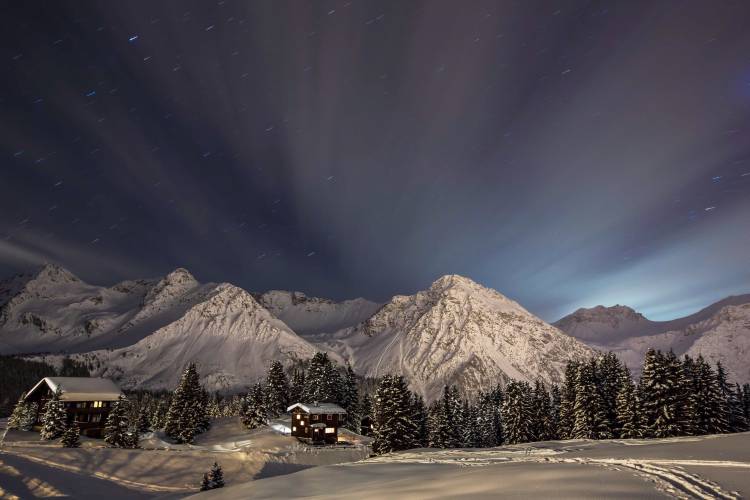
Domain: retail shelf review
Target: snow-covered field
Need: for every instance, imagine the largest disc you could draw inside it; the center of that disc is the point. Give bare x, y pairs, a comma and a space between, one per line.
32, 468
703, 467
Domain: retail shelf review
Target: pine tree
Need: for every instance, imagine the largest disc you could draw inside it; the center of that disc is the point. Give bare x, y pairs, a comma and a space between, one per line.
659, 396
710, 414
55, 418
419, 416
186, 410
216, 476
144, 423
365, 421
516, 413
322, 382
567, 401
589, 411
470, 436
608, 371
628, 413
393, 427
746, 401
554, 420
737, 420
444, 417
19, 413
71, 437
541, 409
297, 388
116, 429
253, 413
29, 417
725, 389
350, 399
277, 390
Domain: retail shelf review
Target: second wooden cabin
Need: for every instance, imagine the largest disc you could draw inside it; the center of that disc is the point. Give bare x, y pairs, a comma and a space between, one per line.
317, 422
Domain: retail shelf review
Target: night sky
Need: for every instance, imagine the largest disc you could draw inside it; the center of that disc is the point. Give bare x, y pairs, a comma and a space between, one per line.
565, 153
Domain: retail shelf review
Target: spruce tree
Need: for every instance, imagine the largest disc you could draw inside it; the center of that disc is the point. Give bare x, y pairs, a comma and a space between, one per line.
277, 390
393, 427
322, 380
444, 419
710, 411
659, 390
517, 412
724, 404
737, 420
29, 417
554, 419
608, 372
185, 414
297, 388
116, 429
55, 418
216, 476
71, 437
18, 416
350, 399
590, 417
746, 401
628, 413
144, 422
567, 401
253, 413
419, 416
365, 422
541, 409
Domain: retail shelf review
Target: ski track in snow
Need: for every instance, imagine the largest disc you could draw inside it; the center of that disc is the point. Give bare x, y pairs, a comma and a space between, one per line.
667, 475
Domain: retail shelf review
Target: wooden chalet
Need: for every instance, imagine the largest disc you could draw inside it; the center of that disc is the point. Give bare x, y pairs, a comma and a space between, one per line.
317, 422
87, 400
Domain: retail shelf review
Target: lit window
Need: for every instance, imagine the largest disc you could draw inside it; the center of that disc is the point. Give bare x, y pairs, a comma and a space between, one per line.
294, 428
316, 417
302, 423
97, 404
299, 416
330, 430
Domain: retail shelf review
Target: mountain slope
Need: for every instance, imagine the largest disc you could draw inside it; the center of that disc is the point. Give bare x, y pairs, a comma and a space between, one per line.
720, 332
311, 315
456, 332
227, 333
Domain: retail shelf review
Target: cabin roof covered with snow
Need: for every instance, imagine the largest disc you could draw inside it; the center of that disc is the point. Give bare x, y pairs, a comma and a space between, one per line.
318, 408
80, 388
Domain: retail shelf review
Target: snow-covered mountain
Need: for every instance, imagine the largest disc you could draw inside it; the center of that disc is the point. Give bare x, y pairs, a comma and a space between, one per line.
226, 332
144, 332
456, 332
720, 332
312, 315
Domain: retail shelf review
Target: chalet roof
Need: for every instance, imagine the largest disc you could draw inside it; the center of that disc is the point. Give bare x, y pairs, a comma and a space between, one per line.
80, 388
318, 408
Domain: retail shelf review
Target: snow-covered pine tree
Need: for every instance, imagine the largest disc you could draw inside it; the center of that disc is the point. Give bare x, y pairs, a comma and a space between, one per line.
470, 435
29, 417
516, 412
253, 413
203, 419
659, 393
365, 419
216, 476
54, 421
737, 420
608, 373
725, 388
554, 412
445, 420
628, 413
684, 406
277, 390
350, 399
567, 401
393, 427
746, 401
710, 414
116, 429
297, 387
185, 410
71, 436
540, 413
589, 411
16, 419
419, 416
144, 422
317, 388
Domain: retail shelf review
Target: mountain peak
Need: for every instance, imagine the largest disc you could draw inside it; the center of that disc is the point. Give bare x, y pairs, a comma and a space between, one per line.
54, 273
179, 275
